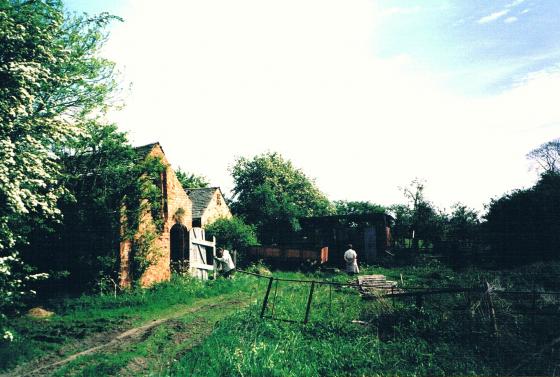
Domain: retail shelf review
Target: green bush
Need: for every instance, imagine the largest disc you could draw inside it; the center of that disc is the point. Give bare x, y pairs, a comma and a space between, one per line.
233, 234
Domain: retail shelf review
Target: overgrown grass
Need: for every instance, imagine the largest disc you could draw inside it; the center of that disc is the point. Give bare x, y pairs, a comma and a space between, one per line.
448, 335
154, 352
77, 319
453, 334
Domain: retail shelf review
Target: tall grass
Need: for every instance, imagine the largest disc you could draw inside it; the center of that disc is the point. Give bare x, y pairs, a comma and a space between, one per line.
77, 319
448, 335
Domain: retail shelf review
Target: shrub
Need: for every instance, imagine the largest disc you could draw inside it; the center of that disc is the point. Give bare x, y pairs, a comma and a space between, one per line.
233, 234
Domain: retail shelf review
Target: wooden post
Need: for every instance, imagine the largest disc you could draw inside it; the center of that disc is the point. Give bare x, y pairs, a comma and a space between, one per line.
214, 264
265, 301
419, 300
330, 299
309, 302
492, 311
274, 299
534, 311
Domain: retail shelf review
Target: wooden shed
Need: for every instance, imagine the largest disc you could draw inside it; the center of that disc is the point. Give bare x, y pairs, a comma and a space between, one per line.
369, 234
324, 239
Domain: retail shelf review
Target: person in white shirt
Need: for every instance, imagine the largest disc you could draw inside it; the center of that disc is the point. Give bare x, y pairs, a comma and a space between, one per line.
351, 259
226, 262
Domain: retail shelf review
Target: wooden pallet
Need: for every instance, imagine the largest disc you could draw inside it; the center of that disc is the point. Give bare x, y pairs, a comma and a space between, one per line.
376, 285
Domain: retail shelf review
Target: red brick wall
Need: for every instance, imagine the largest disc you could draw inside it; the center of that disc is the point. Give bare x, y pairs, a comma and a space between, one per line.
177, 199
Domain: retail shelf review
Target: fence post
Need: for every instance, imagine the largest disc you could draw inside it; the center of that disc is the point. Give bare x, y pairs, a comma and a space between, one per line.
274, 299
330, 299
492, 310
265, 301
419, 300
534, 311
309, 302
214, 264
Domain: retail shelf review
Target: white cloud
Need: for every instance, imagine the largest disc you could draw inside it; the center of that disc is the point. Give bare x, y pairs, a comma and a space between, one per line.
493, 17
214, 80
515, 3
510, 20
524, 11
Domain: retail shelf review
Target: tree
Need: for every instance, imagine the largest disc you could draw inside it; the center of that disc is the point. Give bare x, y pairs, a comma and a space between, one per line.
191, 180
547, 156
344, 207
272, 194
463, 224
51, 82
233, 234
418, 219
524, 225
100, 169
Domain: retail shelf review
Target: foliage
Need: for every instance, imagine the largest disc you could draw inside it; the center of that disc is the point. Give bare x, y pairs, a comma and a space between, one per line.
418, 219
272, 194
80, 318
191, 180
524, 225
462, 224
101, 173
233, 234
353, 337
547, 156
99, 166
51, 82
14, 278
450, 334
144, 197
344, 207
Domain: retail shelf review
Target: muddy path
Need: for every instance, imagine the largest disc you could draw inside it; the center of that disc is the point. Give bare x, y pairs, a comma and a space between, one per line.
189, 334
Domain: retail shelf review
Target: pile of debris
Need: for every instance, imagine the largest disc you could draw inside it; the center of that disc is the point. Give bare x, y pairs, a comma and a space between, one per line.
371, 286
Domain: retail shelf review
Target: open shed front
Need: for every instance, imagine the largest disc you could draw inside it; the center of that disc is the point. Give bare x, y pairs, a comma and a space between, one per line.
369, 235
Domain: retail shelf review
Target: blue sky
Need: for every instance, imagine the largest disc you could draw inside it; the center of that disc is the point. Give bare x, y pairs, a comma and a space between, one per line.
484, 46
363, 95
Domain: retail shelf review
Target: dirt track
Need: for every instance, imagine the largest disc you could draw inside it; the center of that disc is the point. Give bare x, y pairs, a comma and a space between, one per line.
49, 364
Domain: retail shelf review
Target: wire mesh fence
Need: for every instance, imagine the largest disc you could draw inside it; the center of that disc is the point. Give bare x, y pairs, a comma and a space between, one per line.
512, 332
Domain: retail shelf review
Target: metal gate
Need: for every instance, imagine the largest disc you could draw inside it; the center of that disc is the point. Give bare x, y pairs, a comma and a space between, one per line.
201, 254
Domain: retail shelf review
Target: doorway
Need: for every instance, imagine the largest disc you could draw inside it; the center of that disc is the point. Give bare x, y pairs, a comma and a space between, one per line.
179, 239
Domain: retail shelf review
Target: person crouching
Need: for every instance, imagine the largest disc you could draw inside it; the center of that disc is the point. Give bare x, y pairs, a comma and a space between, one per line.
226, 262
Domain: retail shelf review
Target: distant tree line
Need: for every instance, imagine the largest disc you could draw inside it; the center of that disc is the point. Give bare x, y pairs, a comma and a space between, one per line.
64, 172
521, 226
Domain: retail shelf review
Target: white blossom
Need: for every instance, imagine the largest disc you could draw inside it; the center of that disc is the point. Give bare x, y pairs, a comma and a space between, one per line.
8, 336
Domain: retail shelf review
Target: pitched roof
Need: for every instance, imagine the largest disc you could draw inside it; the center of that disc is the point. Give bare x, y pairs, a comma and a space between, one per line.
200, 198
143, 150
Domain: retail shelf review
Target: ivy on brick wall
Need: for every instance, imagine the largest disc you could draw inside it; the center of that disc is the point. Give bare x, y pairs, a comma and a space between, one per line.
142, 215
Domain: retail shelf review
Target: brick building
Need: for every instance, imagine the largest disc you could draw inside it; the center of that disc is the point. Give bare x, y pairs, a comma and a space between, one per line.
176, 215
208, 205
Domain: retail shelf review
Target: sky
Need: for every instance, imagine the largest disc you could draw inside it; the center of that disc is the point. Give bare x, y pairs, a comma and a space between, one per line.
364, 95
